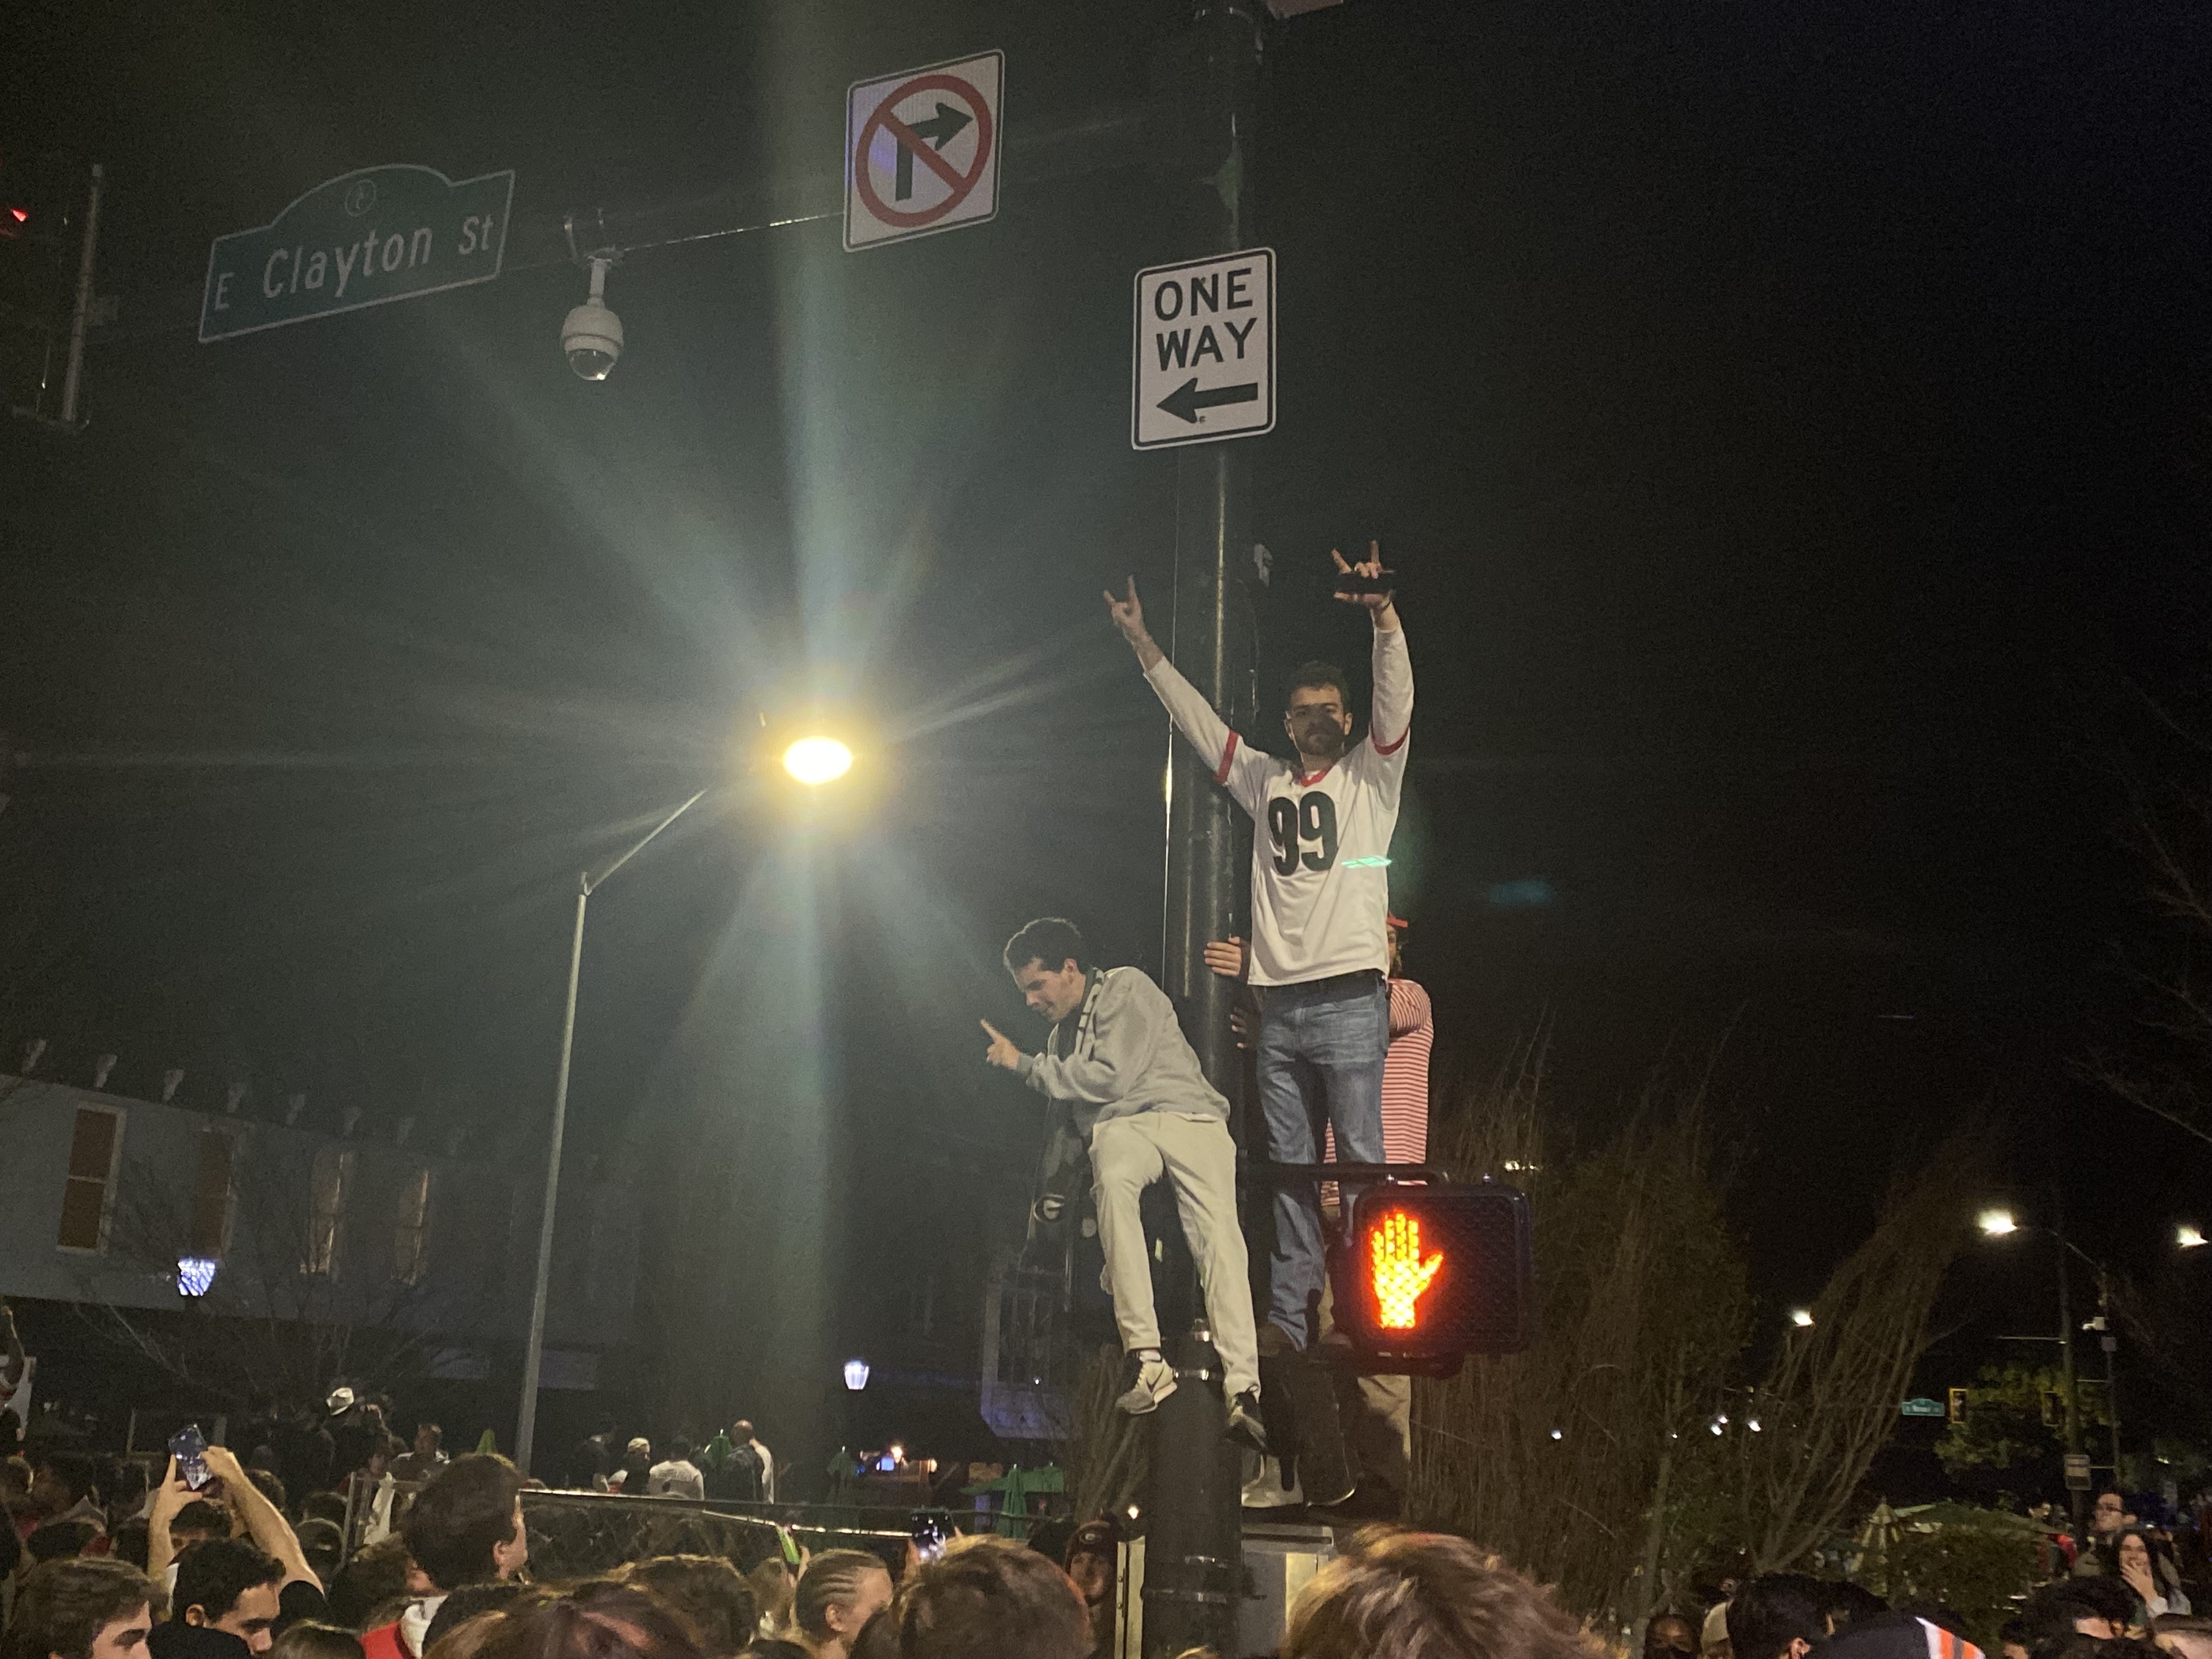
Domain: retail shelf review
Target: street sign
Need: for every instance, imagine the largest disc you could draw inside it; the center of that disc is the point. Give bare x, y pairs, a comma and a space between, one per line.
922, 150
366, 239
1922, 1407
2077, 1471
1203, 354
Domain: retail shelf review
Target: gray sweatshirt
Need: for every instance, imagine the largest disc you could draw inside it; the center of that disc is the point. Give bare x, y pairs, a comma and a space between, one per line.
1120, 1054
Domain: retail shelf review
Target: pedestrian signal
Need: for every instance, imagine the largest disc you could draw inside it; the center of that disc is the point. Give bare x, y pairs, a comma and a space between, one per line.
1436, 1270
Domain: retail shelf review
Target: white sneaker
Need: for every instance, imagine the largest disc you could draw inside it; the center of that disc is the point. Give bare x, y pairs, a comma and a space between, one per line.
1145, 1383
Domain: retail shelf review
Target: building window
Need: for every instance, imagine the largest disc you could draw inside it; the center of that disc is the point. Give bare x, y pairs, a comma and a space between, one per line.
213, 1197
410, 1238
87, 1195
333, 1178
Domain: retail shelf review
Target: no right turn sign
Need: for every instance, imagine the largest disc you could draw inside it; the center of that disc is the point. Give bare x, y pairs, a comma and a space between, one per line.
1205, 351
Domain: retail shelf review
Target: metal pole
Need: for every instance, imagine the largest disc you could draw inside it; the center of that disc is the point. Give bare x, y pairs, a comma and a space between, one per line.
82, 316
534, 1351
2073, 1494
2110, 1345
1194, 1549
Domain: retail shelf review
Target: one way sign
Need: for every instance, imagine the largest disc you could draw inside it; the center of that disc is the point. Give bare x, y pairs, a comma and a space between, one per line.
1205, 351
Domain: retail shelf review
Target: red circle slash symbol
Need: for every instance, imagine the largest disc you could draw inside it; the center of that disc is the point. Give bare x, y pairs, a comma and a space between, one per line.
957, 184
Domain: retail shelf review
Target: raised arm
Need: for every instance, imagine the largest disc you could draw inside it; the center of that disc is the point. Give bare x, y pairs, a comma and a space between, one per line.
170, 1497
1233, 762
1390, 715
264, 1524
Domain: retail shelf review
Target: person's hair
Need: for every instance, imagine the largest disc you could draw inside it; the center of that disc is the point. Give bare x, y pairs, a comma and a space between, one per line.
325, 1506
679, 1449
1771, 1611
421, 1428
463, 1511
2155, 1550
17, 1473
1308, 676
270, 1487
831, 1579
1663, 1617
306, 1639
2051, 1610
744, 1426
212, 1575
773, 1593
1843, 1603
878, 1638
1049, 941
61, 1606
992, 1598
707, 1590
202, 1519
468, 1614
375, 1574
133, 1541
1397, 1595
2014, 1630
73, 1471
597, 1619
2195, 1633
57, 1540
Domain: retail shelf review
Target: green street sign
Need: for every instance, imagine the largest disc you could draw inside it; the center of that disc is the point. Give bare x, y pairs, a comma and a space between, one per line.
1922, 1407
366, 239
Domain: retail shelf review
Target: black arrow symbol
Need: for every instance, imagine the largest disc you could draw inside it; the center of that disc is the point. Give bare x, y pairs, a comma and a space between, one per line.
1185, 400
941, 129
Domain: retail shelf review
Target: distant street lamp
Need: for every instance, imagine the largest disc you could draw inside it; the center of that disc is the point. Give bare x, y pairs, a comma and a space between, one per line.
856, 1374
1801, 1318
816, 761
2186, 1238
2001, 1222
533, 1352
1997, 1222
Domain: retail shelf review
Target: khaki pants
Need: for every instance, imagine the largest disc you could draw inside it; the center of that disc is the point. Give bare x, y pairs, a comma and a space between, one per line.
1198, 1160
1378, 1415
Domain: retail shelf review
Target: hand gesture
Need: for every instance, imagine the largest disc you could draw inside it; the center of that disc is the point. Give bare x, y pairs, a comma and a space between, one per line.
171, 1496
1401, 1275
2139, 1580
1370, 565
1002, 1052
222, 1463
1225, 956
1129, 614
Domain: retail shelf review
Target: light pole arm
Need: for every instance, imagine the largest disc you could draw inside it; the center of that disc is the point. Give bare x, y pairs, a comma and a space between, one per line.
533, 1351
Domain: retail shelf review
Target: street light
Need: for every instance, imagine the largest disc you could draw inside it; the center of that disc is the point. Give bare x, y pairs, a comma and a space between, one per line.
1997, 1222
816, 761
534, 1351
2186, 1238
1801, 1318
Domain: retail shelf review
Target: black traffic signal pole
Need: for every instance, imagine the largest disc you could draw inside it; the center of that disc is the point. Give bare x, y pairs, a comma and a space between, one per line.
1194, 1545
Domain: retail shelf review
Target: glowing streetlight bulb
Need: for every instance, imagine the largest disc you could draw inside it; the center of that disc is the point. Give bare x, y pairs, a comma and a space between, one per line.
1801, 1318
817, 761
2187, 1238
1997, 1222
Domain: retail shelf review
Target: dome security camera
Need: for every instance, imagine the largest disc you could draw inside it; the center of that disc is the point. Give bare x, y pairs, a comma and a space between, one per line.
592, 336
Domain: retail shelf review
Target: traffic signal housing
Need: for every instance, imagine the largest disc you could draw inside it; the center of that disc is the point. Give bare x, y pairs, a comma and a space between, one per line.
1436, 1270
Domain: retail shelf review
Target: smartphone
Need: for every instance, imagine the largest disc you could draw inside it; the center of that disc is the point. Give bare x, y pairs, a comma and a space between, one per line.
930, 1535
187, 1445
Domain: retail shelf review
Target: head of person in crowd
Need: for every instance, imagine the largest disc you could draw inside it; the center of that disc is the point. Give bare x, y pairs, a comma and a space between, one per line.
2013, 1639
636, 1463
679, 1449
1093, 1557
88, 1609
1050, 964
61, 1483
198, 1521
1396, 1594
597, 1619
2097, 1647
1777, 1615
2137, 1558
474, 1608
839, 1591
991, 1598
307, 1639
429, 1441
773, 1591
2109, 1513
266, 1483
1318, 713
2095, 1608
375, 1576
2183, 1636
15, 1481
1670, 1636
707, 1590
122, 1486
323, 1542
57, 1540
229, 1585
878, 1638
1843, 1604
133, 1541
465, 1525
325, 1506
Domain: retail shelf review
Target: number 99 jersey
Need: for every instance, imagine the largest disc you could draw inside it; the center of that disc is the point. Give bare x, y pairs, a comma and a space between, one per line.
1321, 844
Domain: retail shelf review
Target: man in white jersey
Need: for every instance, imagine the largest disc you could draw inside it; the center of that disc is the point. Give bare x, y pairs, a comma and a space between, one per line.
1321, 896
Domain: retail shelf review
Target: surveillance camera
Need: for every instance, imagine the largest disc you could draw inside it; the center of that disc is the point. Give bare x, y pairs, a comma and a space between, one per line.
593, 334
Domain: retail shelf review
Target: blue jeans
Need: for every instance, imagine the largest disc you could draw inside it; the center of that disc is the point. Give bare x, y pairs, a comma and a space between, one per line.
1321, 1061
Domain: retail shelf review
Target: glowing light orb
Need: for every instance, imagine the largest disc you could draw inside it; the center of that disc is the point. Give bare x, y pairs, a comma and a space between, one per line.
856, 1374
2187, 1238
1400, 1274
195, 1274
817, 761
1800, 1317
1997, 1222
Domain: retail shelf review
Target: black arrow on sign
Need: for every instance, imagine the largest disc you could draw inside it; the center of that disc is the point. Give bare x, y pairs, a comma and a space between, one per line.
1185, 400
941, 129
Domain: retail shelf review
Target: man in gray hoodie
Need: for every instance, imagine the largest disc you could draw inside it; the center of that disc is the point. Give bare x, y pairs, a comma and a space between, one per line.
1121, 1063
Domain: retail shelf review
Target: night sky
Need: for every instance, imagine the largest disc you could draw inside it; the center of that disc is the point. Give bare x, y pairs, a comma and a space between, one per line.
1789, 423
